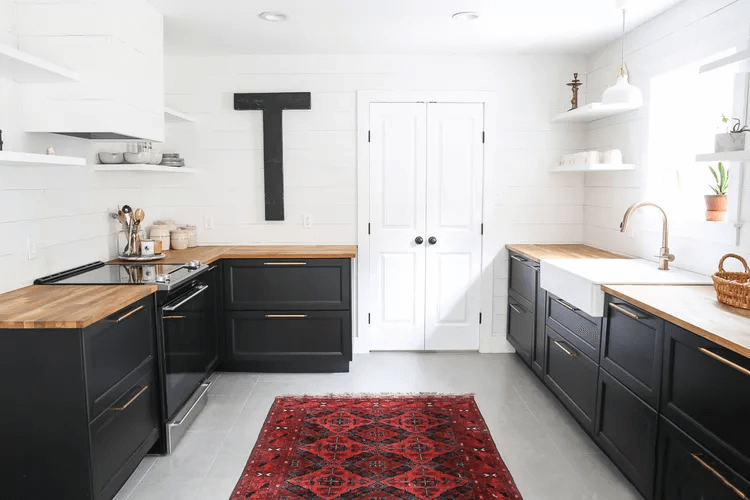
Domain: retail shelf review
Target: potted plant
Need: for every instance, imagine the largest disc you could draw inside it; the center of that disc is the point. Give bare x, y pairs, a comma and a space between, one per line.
716, 204
735, 139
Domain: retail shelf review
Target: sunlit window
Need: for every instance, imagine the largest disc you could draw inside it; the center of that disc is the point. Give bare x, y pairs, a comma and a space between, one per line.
685, 114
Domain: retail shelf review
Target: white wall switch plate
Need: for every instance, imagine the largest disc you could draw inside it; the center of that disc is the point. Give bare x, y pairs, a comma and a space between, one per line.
208, 222
307, 220
31, 248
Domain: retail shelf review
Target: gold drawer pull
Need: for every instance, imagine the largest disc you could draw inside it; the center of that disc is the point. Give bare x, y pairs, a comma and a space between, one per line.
126, 316
285, 263
512, 306
173, 317
626, 312
571, 354
737, 367
276, 316
719, 476
212, 268
565, 305
144, 388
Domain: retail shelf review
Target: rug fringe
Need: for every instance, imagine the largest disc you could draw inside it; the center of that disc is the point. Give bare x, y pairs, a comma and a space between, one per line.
377, 395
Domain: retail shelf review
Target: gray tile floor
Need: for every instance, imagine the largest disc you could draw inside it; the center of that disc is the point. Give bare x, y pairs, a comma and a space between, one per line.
549, 456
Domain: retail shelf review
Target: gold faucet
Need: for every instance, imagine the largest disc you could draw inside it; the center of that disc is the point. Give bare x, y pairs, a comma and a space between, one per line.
665, 258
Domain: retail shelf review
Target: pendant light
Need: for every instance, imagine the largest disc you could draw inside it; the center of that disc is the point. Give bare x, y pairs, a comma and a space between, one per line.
623, 93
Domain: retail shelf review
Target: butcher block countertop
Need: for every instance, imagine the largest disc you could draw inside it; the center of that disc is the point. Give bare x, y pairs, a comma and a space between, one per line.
79, 306
694, 308
563, 251
210, 254
66, 306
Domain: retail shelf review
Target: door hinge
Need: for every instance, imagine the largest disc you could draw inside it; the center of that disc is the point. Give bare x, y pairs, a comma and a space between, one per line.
368, 136
368, 228
481, 228
368, 318
482, 137
480, 318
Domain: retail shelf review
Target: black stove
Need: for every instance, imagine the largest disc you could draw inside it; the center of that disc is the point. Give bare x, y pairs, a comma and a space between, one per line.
166, 276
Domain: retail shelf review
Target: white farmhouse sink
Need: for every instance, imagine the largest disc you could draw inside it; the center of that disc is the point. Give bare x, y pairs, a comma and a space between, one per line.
579, 281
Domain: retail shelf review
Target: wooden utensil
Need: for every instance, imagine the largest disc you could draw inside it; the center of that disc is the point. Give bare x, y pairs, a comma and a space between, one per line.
138, 217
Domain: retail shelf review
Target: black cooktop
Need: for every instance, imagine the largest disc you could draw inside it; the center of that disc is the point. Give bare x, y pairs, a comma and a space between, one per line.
99, 273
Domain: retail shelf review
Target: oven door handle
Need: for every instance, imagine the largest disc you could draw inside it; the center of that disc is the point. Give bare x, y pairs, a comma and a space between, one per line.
199, 291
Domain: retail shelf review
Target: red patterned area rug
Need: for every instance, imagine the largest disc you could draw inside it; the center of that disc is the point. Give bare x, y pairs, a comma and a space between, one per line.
375, 447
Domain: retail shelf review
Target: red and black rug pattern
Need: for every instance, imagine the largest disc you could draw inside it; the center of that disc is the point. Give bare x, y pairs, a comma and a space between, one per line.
375, 447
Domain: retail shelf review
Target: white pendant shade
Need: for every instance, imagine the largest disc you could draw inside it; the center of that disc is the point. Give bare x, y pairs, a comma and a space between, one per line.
623, 93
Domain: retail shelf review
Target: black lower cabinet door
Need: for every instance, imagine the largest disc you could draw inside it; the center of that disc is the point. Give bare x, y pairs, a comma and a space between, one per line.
688, 471
706, 392
521, 328
130, 425
313, 341
626, 429
571, 376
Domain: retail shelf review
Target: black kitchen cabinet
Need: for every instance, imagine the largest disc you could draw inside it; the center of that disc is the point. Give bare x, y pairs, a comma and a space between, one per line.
523, 280
521, 320
86, 406
285, 315
689, 471
540, 331
706, 393
581, 330
632, 348
572, 377
626, 429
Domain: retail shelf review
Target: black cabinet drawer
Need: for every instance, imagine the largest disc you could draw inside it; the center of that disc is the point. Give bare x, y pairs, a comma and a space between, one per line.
117, 352
287, 285
522, 277
584, 330
688, 471
294, 341
626, 430
122, 429
520, 328
572, 377
706, 392
632, 349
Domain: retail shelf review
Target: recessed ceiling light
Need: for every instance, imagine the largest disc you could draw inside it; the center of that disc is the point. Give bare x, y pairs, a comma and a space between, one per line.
273, 16
465, 16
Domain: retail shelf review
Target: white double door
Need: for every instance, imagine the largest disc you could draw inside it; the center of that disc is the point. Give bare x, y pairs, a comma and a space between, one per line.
426, 170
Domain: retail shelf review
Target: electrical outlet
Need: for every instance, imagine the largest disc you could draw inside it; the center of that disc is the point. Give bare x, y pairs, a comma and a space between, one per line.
31, 248
307, 220
208, 222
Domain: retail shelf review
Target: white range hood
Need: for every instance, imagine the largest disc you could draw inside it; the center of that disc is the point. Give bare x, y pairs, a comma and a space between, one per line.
117, 47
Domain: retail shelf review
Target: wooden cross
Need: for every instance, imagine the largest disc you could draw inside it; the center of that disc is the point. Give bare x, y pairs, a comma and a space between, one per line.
272, 106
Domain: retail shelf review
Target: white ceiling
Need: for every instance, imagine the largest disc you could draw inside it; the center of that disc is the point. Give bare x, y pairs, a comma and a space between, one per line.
397, 26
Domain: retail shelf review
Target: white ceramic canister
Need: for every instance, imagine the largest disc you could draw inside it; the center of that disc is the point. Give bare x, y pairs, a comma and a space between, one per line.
180, 239
193, 233
161, 233
613, 157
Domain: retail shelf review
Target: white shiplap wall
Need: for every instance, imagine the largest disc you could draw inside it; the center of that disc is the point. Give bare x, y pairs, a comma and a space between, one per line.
690, 32
320, 146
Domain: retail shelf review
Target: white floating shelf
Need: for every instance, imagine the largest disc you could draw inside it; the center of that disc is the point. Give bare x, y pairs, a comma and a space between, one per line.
726, 61
592, 112
172, 115
594, 167
143, 167
31, 159
741, 156
25, 68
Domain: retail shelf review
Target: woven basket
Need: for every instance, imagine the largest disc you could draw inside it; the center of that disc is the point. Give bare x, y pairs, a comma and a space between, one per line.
733, 289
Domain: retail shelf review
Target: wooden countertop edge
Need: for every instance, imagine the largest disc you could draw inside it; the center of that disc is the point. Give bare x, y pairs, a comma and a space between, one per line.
679, 322
518, 248
256, 252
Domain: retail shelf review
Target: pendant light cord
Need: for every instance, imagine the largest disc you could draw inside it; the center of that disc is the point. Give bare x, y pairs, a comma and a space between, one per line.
622, 47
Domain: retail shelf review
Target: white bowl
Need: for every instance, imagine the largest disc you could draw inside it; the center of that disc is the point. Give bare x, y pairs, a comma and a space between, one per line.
155, 158
142, 157
110, 158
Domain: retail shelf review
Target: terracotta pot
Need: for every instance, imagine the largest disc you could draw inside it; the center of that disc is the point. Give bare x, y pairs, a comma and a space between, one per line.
716, 203
714, 216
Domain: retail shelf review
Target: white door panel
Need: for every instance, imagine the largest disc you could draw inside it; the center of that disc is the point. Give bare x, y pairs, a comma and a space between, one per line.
454, 218
397, 216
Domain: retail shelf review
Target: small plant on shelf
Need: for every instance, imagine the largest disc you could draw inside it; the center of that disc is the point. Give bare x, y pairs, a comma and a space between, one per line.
716, 204
735, 138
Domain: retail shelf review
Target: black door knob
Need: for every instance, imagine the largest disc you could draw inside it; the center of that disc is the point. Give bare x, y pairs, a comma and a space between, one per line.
432, 240
418, 240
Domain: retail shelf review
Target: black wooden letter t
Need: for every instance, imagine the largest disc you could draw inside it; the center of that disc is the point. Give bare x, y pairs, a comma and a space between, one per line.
272, 106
